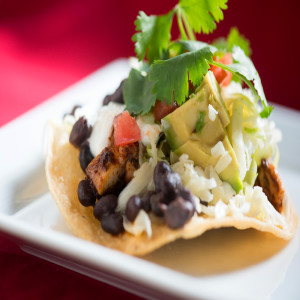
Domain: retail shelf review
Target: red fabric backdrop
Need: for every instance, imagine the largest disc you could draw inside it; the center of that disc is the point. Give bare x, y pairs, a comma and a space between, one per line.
47, 45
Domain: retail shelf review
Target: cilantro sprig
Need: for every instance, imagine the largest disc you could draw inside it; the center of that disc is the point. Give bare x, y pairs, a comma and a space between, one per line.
138, 88
167, 77
199, 16
234, 38
245, 70
153, 35
171, 76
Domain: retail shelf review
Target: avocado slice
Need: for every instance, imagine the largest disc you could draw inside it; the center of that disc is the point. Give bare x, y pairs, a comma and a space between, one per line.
180, 130
202, 157
251, 173
181, 123
213, 90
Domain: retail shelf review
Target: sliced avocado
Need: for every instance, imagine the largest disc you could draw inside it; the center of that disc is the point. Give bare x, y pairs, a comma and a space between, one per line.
251, 173
231, 173
197, 153
202, 157
211, 133
213, 90
181, 123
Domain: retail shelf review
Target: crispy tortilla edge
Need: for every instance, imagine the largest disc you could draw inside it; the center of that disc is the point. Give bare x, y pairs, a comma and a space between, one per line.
63, 174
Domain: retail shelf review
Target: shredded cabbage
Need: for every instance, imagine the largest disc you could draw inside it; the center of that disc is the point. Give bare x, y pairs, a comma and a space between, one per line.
141, 223
194, 179
137, 185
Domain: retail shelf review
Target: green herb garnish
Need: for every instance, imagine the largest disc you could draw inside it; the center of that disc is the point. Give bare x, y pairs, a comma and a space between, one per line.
153, 35
167, 77
245, 70
234, 38
137, 90
174, 86
200, 123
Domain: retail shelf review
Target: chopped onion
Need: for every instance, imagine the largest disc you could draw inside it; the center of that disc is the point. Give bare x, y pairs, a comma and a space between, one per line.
220, 209
137, 185
217, 150
223, 162
237, 137
211, 112
141, 223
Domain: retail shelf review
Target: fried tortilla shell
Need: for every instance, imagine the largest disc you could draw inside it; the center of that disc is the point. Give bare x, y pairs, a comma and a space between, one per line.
64, 173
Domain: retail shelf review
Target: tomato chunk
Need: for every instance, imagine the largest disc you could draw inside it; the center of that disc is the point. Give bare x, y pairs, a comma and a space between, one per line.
223, 77
161, 109
126, 130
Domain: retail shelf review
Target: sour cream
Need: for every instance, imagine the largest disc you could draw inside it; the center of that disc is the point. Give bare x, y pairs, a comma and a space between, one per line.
101, 132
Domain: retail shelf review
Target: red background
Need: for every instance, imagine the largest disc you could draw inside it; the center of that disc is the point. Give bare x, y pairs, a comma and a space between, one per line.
47, 45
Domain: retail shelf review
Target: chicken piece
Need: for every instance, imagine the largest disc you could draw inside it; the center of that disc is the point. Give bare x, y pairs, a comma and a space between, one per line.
132, 165
270, 182
112, 167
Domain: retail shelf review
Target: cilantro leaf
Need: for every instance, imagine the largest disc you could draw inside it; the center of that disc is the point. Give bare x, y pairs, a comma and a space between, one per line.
137, 93
171, 76
245, 70
234, 38
201, 15
153, 35
245, 67
196, 45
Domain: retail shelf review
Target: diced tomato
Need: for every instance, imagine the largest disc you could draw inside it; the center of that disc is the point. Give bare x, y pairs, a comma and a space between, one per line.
161, 109
126, 130
223, 77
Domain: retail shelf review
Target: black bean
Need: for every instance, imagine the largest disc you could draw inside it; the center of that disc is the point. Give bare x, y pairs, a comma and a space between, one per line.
80, 132
160, 169
186, 195
105, 206
133, 206
117, 96
169, 184
112, 224
178, 213
146, 201
85, 155
157, 204
85, 192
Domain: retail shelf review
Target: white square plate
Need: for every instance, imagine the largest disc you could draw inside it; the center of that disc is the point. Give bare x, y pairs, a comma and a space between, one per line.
224, 263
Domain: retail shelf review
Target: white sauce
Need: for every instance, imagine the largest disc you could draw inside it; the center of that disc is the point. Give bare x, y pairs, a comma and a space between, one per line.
103, 126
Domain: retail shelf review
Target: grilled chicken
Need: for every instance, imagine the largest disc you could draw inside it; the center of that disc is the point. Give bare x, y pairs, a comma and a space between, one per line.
270, 182
113, 167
